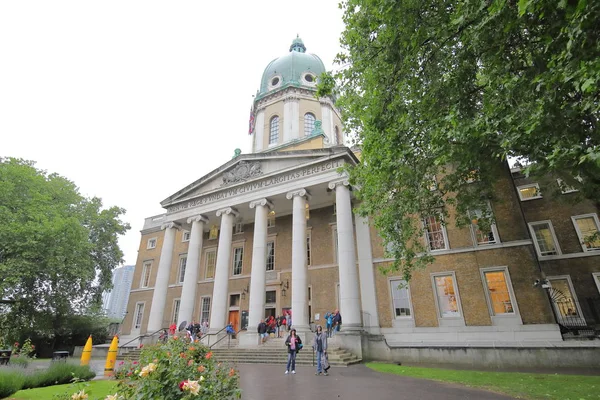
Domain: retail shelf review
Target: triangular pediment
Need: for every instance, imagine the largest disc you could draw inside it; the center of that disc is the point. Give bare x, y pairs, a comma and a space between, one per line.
250, 167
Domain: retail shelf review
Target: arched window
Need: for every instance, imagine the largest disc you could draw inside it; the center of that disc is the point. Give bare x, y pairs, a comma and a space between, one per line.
274, 132
309, 124
338, 137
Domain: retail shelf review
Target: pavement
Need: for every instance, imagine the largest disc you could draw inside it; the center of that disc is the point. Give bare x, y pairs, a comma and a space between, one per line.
269, 382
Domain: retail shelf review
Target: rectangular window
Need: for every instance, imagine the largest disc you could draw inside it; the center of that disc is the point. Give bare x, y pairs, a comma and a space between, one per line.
176, 304
435, 233
308, 250
307, 211
205, 310
587, 227
498, 293
270, 256
544, 238
482, 237
596, 276
185, 236
563, 298
564, 188
213, 233
447, 300
146, 271
234, 300
211, 262
138, 315
529, 192
400, 298
271, 219
239, 227
271, 297
181, 271
238, 255
151, 243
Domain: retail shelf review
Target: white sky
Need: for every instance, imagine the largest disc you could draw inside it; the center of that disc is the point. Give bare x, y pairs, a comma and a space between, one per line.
133, 100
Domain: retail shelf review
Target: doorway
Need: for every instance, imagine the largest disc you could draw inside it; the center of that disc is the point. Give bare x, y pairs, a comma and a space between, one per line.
234, 319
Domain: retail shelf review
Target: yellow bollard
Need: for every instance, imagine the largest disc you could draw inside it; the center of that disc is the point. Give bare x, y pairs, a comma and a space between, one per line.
86, 354
111, 358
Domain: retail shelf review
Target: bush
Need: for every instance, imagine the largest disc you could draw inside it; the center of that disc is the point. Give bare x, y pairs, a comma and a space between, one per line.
19, 361
58, 374
11, 381
179, 370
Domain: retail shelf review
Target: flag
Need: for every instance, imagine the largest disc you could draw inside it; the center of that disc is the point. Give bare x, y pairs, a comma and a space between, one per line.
251, 122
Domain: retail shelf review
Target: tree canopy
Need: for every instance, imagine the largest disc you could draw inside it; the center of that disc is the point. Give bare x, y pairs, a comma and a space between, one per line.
57, 247
451, 89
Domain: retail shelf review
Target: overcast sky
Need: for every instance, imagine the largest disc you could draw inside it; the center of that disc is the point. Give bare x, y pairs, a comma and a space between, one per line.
133, 100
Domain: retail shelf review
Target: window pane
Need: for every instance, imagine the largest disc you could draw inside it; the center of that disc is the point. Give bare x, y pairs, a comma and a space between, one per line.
234, 300
274, 131
563, 298
529, 192
205, 316
309, 124
308, 250
270, 256
211, 259
182, 264
544, 239
587, 227
446, 296
146, 274
214, 232
400, 298
139, 312
498, 292
434, 233
237, 260
271, 297
176, 305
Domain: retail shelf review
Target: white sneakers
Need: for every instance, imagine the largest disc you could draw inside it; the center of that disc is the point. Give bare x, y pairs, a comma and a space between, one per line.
293, 371
287, 372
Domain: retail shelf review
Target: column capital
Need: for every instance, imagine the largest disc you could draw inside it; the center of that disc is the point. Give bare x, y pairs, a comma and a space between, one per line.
261, 202
227, 211
299, 192
334, 184
170, 224
197, 218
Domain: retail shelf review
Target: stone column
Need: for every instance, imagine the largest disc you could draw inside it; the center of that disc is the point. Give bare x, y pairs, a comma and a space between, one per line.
159, 297
299, 267
190, 280
349, 287
218, 313
259, 271
367, 275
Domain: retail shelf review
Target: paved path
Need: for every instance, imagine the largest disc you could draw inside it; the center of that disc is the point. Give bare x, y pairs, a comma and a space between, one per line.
268, 382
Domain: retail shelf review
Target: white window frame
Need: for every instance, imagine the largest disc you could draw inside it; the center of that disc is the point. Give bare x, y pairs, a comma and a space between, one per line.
535, 241
201, 319
233, 262
273, 303
457, 320
175, 311
238, 227
271, 219
513, 318
274, 139
152, 243
185, 236
573, 294
206, 252
308, 247
213, 232
474, 229
537, 196
398, 281
182, 265
146, 265
444, 233
574, 218
564, 188
596, 276
138, 317
267, 260
314, 119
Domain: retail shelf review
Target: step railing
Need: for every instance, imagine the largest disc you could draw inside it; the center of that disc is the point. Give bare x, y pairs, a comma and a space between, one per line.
228, 336
164, 331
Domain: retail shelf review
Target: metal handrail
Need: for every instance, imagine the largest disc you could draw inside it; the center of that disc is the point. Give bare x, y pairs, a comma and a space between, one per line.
228, 336
143, 336
212, 334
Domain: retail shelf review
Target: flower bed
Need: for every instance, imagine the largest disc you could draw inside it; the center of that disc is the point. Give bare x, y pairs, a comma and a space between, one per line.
177, 370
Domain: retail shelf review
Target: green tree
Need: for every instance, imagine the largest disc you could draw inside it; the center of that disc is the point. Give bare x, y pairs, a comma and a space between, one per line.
57, 248
451, 89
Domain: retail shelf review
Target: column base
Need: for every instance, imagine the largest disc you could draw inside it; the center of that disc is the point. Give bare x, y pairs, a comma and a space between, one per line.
249, 340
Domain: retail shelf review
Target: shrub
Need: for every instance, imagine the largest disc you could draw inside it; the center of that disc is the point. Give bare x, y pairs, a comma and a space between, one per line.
11, 381
179, 370
19, 361
58, 374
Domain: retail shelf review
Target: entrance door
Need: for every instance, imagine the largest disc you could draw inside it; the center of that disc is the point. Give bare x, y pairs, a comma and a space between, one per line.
234, 319
269, 312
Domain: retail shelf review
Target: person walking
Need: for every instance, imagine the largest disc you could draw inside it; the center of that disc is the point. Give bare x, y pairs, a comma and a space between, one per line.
294, 344
262, 330
320, 346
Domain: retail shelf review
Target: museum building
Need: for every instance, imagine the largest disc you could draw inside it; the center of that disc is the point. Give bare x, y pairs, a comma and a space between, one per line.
273, 231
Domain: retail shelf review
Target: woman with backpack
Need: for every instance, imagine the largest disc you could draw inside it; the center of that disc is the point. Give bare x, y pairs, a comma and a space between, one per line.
294, 344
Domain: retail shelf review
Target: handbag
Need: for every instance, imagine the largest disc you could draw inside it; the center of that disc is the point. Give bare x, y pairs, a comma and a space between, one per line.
325, 362
300, 346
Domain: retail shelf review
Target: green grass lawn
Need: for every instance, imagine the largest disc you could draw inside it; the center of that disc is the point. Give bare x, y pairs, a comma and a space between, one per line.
520, 385
96, 390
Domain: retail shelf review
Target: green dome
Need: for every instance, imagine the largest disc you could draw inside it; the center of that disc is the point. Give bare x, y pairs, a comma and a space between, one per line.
297, 68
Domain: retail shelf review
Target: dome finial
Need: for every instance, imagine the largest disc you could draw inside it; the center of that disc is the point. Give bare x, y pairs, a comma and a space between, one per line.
298, 45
